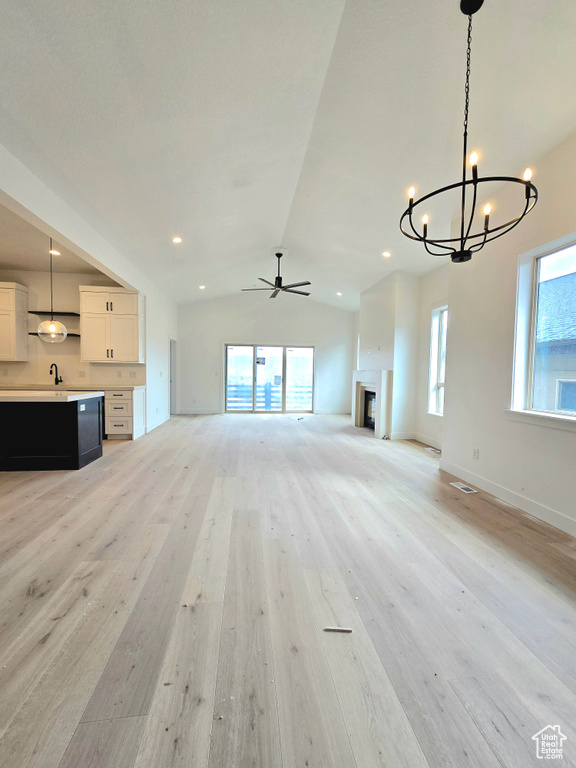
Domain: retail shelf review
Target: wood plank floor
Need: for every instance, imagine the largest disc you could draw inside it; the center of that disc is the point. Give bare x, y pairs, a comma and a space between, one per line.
164, 607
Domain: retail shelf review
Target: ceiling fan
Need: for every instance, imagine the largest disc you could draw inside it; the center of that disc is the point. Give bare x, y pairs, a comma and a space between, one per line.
277, 286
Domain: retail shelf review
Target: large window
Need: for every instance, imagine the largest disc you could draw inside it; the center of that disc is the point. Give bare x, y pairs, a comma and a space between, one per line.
437, 361
269, 378
552, 383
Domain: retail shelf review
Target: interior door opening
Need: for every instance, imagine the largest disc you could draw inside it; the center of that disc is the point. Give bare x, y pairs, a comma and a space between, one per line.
269, 379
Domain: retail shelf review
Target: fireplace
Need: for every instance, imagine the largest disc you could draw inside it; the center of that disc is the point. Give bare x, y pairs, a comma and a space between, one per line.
375, 385
370, 409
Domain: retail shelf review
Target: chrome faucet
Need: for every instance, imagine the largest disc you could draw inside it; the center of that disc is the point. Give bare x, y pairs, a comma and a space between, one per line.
57, 379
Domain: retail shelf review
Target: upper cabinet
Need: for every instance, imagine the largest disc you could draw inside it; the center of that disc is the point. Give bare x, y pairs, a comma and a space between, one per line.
13, 322
107, 300
111, 325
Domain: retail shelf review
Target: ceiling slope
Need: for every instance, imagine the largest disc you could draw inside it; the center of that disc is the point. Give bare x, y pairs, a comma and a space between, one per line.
243, 126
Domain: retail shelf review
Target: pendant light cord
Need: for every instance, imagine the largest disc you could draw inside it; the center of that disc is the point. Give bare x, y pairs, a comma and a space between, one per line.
467, 86
465, 150
51, 292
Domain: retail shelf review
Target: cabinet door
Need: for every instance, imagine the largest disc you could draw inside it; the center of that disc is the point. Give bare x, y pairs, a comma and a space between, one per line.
94, 302
6, 298
124, 303
94, 339
7, 335
124, 338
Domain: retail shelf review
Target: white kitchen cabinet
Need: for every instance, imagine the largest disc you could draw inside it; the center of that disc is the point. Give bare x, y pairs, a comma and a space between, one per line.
110, 302
125, 413
13, 322
108, 336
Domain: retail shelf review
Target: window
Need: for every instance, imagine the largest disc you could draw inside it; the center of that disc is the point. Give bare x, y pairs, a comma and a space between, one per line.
552, 379
438, 361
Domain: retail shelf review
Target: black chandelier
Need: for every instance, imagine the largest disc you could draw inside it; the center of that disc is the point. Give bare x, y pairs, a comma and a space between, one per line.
467, 242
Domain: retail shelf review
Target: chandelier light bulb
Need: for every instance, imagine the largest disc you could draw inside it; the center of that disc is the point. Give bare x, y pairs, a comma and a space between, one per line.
487, 209
474, 158
425, 219
54, 252
411, 193
527, 174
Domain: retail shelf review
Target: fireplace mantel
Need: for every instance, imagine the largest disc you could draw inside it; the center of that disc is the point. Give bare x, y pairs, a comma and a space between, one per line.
379, 382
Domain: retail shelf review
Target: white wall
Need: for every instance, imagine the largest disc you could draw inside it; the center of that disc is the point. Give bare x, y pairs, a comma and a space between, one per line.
389, 341
405, 370
528, 465
377, 324
433, 294
205, 327
30, 198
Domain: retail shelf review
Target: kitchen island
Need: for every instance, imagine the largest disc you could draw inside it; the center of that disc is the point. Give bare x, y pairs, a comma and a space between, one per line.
47, 429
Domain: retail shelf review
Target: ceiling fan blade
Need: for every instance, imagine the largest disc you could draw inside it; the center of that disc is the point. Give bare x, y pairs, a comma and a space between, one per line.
255, 289
302, 293
267, 282
297, 285
275, 293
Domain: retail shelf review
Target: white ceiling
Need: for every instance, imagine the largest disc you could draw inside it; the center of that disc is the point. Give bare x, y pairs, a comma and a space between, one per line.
23, 247
243, 126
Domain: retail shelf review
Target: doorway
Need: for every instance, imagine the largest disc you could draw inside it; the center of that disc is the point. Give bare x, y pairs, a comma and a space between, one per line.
269, 379
173, 378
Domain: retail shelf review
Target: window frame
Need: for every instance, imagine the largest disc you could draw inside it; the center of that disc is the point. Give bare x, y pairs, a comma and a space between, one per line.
521, 403
438, 321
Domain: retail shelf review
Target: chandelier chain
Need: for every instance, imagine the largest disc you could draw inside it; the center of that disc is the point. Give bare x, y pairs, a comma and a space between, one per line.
467, 87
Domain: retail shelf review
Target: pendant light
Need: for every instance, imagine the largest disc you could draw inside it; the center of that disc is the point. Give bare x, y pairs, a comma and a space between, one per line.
469, 240
51, 331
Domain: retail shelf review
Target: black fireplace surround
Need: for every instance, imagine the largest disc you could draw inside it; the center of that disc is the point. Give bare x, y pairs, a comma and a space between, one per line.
369, 409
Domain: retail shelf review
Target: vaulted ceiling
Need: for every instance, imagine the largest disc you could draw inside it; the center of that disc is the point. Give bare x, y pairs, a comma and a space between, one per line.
244, 126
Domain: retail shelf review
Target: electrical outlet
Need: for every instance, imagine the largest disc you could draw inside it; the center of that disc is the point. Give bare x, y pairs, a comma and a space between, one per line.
476, 454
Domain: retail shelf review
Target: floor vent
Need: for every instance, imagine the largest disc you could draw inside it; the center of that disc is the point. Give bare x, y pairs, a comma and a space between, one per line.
433, 450
464, 488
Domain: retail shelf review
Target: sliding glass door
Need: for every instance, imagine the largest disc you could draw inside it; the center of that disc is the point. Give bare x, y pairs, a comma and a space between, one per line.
299, 378
269, 379
239, 378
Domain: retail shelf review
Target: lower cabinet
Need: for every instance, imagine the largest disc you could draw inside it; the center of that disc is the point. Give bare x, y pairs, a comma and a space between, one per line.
125, 413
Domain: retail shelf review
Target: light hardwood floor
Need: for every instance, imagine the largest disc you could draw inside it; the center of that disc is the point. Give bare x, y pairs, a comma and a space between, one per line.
164, 607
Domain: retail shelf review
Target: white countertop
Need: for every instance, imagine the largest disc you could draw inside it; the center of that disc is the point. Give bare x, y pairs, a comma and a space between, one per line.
44, 396
70, 387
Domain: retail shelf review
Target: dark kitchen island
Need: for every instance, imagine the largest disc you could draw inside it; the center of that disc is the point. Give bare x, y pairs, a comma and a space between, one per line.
50, 429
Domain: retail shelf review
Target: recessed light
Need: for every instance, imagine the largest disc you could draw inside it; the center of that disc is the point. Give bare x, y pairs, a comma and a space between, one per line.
202, 287
386, 254
338, 293
177, 240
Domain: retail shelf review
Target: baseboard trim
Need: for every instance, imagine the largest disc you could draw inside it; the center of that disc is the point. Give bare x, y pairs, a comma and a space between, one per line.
525, 504
402, 436
197, 412
432, 441
150, 427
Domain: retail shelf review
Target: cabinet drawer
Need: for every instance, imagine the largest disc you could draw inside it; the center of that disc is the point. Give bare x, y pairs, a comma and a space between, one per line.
120, 394
120, 426
118, 408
